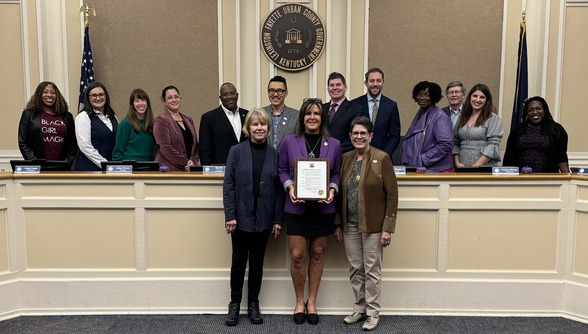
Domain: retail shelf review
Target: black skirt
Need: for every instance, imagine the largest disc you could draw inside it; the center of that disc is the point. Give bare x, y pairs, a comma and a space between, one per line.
311, 223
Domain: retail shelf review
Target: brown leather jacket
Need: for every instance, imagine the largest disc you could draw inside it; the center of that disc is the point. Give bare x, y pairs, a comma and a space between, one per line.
378, 192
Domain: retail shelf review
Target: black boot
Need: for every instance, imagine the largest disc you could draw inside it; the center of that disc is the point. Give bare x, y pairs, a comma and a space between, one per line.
254, 313
233, 315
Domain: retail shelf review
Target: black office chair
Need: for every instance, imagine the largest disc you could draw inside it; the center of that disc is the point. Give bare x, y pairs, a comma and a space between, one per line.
397, 155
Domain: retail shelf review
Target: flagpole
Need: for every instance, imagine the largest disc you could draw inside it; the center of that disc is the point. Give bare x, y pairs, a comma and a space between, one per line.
87, 10
87, 67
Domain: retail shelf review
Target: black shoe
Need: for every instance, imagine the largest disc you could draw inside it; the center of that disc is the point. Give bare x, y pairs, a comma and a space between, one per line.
312, 318
254, 313
299, 318
233, 314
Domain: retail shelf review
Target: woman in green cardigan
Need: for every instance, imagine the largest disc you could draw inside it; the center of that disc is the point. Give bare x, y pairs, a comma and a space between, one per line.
134, 136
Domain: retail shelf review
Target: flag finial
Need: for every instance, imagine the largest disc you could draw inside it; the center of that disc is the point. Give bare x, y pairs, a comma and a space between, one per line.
87, 10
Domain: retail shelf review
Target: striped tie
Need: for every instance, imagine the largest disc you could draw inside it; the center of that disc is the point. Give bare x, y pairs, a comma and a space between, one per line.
374, 110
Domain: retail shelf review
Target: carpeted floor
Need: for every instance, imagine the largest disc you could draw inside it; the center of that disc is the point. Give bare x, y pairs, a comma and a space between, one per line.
275, 324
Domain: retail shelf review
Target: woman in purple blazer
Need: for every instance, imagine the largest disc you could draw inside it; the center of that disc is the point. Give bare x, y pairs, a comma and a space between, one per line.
309, 223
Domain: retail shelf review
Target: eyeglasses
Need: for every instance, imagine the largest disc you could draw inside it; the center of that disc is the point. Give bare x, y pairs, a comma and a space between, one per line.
362, 134
423, 95
454, 92
312, 100
272, 91
97, 96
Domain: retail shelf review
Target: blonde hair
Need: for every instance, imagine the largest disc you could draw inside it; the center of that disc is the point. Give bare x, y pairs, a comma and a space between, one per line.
256, 113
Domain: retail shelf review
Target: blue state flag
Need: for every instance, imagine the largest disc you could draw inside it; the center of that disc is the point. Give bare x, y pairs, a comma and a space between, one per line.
87, 74
522, 84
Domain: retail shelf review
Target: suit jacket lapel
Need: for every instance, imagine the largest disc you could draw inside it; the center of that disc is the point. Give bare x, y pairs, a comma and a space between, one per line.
225, 121
340, 111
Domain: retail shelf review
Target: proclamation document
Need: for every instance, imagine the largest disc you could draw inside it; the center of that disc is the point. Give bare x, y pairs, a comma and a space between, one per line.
312, 179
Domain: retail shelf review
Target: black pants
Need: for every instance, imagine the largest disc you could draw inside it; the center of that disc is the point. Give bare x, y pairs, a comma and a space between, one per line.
247, 245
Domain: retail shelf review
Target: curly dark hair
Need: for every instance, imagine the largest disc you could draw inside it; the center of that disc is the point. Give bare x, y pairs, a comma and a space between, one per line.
434, 91
36, 101
547, 124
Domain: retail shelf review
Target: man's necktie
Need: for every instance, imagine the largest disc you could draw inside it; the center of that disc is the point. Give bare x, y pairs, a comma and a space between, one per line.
332, 111
374, 110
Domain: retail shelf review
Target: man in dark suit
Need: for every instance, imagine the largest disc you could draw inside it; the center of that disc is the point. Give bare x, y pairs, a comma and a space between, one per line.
455, 93
220, 128
340, 111
382, 110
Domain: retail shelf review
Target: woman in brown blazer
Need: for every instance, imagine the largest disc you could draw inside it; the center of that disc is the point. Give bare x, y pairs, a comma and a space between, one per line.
366, 218
175, 134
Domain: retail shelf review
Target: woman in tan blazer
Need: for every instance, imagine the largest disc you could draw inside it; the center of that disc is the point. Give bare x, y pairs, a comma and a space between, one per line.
366, 218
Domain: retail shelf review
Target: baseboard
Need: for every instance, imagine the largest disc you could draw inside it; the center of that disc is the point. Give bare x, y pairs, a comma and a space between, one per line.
533, 297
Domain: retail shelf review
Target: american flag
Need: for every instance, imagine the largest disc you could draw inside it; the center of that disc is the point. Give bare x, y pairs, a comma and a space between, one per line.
87, 75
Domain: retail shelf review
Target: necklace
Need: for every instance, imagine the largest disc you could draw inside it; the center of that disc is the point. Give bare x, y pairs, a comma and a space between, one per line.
357, 170
311, 154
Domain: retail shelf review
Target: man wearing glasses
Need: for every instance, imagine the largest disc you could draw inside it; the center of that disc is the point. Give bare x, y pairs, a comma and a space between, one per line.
284, 119
340, 111
455, 93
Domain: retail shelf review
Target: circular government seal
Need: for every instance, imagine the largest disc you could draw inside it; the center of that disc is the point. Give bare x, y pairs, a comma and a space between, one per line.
293, 37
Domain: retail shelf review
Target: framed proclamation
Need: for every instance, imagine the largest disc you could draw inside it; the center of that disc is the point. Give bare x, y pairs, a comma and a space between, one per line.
312, 179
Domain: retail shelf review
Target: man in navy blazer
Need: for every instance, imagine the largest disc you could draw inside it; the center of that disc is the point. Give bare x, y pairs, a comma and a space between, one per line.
340, 111
219, 128
387, 121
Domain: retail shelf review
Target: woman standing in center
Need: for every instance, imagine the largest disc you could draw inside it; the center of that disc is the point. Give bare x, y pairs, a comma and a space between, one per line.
175, 134
309, 223
478, 131
134, 138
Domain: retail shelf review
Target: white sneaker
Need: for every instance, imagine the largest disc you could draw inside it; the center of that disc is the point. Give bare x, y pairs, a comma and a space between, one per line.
354, 317
370, 324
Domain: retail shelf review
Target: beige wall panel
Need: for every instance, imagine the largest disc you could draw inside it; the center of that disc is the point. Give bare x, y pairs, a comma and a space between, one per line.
2, 191
80, 238
573, 82
357, 47
277, 254
247, 54
335, 256
337, 39
74, 44
229, 43
171, 190
152, 44
505, 191
438, 41
420, 192
414, 243
510, 240
78, 190
187, 239
582, 193
3, 242
581, 244
11, 67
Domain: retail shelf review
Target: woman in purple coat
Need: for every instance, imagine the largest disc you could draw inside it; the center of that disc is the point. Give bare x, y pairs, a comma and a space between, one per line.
309, 223
429, 140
